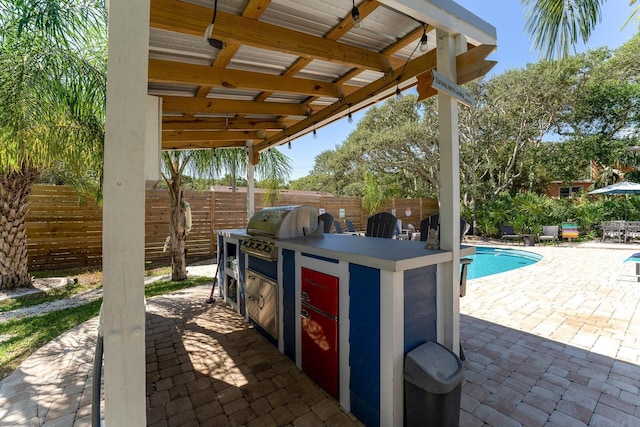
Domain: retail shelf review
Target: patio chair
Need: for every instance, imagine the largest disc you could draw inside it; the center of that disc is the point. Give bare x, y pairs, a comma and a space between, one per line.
337, 226
411, 231
632, 230
327, 219
507, 233
614, 230
433, 222
350, 227
549, 233
382, 224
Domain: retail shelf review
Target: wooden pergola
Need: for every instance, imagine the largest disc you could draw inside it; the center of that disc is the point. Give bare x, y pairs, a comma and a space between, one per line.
273, 71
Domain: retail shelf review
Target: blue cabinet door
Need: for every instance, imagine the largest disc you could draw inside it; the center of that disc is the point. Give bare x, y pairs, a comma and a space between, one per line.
364, 343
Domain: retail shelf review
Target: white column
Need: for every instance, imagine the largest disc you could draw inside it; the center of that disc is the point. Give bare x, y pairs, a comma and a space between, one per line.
449, 286
123, 214
391, 347
251, 208
153, 141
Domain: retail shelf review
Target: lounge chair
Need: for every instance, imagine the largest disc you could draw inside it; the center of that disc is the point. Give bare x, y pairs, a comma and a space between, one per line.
507, 233
337, 226
549, 233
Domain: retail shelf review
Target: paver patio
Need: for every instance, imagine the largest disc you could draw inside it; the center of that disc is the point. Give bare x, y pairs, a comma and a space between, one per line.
555, 343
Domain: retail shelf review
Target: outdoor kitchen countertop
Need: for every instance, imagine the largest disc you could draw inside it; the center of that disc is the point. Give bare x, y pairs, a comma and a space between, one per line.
375, 252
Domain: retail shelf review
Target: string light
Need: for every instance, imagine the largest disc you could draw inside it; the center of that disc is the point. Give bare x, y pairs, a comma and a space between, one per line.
398, 93
215, 43
350, 117
315, 134
424, 39
355, 14
289, 144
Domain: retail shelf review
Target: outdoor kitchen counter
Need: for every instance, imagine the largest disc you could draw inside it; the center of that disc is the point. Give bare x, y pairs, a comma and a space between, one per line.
388, 303
375, 252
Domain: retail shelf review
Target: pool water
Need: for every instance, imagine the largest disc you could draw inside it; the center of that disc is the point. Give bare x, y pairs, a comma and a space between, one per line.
488, 261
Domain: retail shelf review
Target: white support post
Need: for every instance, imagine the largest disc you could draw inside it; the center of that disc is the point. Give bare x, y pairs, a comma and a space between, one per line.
391, 348
153, 141
123, 214
449, 286
251, 208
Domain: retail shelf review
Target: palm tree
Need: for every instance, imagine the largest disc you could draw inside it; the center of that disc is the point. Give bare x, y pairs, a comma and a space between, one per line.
556, 25
274, 167
52, 96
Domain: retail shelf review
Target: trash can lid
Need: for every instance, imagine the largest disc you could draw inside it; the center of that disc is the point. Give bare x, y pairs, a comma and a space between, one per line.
433, 368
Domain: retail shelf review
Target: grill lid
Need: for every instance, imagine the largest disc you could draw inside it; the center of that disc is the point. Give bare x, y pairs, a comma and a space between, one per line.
284, 222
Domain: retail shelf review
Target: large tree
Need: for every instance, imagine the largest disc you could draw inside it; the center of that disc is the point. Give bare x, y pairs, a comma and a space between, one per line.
274, 168
52, 86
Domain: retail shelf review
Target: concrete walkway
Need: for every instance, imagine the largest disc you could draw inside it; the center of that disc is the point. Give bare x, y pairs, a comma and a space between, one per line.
555, 343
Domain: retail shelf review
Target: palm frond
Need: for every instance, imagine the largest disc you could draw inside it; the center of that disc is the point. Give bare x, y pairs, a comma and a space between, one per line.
558, 25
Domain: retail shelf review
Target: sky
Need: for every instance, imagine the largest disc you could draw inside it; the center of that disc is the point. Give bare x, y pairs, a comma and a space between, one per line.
514, 51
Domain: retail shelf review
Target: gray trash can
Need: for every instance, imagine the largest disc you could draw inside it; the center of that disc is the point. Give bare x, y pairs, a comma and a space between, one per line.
432, 386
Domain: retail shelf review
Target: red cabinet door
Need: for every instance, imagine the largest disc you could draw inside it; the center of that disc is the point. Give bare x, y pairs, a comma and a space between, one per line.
319, 343
319, 320
320, 290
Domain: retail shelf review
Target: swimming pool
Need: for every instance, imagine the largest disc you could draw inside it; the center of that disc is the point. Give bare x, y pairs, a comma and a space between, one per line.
488, 261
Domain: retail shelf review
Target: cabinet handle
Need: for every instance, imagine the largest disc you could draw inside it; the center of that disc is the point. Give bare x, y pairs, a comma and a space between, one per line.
304, 314
251, 298
305, 297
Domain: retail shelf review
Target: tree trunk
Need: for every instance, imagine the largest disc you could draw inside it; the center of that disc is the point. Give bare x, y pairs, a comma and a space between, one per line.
15, 189
178, 231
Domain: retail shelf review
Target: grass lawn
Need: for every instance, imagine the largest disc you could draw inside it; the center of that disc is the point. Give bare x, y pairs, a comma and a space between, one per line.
21, 337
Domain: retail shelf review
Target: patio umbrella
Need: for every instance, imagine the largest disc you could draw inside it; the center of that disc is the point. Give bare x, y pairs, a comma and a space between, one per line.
624, 187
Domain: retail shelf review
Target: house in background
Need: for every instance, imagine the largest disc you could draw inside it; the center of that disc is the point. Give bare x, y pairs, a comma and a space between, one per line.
563, 189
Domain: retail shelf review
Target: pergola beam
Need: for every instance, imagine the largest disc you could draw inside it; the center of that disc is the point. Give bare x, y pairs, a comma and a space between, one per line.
183, 123
191, 74
187, 18
179, 104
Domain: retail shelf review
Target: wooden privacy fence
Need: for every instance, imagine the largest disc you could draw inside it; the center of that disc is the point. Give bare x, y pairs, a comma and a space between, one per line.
64, 231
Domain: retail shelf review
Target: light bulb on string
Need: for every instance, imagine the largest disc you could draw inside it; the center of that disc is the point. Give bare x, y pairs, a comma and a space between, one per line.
355, 14
424, 39
289, 144
350, 117
315, 134
215, 43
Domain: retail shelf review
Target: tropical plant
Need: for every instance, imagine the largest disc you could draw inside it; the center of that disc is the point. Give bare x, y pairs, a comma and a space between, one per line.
52, 97
557, 25
274, 167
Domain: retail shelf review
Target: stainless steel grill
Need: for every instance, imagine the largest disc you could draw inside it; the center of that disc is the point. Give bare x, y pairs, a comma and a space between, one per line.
280, 222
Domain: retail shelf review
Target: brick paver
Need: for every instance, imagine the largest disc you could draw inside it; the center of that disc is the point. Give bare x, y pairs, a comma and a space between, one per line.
561, 334
555, 343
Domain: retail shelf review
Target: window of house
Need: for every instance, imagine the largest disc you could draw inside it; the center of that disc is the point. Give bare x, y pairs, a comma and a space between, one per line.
570, 191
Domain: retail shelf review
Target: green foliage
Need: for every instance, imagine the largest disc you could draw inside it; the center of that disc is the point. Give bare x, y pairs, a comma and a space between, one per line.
373, 197
52, 90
